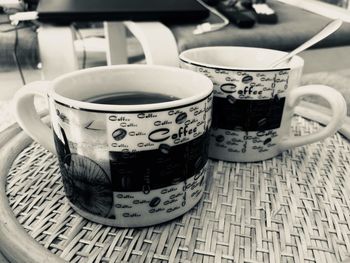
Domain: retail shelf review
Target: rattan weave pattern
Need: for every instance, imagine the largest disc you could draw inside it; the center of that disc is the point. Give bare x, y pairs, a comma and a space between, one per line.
292, 208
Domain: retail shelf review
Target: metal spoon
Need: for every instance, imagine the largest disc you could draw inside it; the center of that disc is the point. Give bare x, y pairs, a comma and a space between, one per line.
325, 32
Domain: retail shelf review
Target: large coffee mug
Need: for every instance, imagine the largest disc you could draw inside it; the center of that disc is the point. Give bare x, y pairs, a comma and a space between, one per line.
253, 102
131, 140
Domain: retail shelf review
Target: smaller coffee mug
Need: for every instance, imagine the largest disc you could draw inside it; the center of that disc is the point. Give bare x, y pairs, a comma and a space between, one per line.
131, 140
253, 103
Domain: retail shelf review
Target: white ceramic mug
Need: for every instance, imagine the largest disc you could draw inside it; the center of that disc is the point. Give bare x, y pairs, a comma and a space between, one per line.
253, 103
125, 165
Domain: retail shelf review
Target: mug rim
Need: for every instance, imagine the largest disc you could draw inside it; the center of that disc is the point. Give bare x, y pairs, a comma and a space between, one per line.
205, 82
296, 62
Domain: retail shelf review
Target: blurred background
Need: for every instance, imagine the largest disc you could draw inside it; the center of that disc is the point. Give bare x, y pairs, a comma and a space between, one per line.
326, 63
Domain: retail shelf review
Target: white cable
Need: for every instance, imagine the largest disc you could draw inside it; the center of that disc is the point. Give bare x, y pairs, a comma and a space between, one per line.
24, 16
210, 27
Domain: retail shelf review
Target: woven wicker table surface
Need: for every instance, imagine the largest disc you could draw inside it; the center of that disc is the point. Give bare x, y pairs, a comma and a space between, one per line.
292, 208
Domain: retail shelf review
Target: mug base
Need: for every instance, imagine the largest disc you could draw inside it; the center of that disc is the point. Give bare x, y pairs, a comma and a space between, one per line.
241, 159
131, 222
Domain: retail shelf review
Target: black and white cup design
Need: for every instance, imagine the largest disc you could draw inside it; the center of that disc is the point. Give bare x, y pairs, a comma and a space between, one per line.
247, 111
251, 115
132, 165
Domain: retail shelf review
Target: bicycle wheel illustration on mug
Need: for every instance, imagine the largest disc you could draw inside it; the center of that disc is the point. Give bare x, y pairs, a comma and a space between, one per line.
253, 102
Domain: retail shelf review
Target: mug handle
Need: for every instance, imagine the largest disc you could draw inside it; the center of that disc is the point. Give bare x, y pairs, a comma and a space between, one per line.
338, 107
27, 116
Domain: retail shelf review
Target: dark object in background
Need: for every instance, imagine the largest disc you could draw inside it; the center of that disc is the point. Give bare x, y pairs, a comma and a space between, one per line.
263, 12
169, 11
237, 13
31, 4
211, 2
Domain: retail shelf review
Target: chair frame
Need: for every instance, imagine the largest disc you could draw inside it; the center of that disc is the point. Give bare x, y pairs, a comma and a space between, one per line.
157, 41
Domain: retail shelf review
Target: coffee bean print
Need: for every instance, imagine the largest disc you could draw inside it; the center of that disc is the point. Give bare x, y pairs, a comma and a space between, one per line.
164, 148
119, 134
154, 202
181, 118
220, 138
231, 99
247, 79
268, 140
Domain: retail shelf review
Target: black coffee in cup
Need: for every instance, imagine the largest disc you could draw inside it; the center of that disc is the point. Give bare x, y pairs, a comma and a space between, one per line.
131, 98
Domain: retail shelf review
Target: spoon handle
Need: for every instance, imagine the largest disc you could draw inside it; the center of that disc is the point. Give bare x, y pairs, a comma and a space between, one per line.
326, 31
